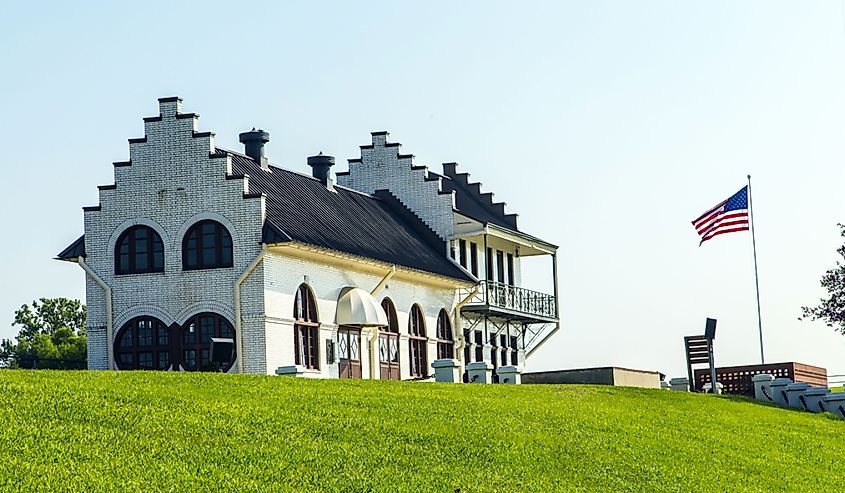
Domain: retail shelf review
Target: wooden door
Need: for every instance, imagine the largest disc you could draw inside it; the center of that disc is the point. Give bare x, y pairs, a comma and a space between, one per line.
349, 352
388, 353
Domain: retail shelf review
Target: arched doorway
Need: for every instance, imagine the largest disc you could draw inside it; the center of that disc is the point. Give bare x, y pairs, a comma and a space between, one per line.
146, 343
196, 342
143, 343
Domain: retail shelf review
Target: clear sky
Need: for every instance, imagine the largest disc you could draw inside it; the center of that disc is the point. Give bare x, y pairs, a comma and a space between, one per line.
608, 126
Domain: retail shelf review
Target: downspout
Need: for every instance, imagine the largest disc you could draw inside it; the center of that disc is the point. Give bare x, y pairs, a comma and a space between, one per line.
458, 330
557, 309
109, 328
238, 325
374, 333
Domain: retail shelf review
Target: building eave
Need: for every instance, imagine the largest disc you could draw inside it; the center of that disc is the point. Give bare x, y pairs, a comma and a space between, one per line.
365, 264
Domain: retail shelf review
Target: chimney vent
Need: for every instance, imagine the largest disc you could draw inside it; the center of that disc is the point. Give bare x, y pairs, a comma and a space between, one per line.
253, 142
321, 169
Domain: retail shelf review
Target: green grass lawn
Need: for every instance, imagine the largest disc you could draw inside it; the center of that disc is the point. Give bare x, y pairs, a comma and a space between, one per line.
135, 431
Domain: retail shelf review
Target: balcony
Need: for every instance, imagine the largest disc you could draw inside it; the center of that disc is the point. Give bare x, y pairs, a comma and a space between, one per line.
495, 298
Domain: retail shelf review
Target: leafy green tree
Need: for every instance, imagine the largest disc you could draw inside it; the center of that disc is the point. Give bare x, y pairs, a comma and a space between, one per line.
831, 309
51, 335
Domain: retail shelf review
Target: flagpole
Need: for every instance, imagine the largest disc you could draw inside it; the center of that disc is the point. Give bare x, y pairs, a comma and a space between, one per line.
756, 277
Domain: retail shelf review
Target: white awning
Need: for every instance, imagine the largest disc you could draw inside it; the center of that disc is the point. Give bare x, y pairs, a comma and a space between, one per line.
358, 307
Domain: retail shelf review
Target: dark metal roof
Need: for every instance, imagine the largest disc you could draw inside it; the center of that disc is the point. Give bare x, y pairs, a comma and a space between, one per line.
74, 251
471, 202
300, 208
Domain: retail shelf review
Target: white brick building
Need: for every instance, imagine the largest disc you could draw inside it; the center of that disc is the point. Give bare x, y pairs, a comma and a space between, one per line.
376, 278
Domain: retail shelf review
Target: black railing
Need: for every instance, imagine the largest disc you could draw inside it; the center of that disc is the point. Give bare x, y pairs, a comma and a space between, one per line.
518, 299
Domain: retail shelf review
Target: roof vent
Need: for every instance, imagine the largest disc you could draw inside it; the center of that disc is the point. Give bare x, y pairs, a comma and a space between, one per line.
254, 141
321, 169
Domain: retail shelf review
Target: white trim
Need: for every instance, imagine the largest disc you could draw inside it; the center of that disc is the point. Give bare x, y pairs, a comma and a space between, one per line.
143, 311
109, 319
209, 306
522, 239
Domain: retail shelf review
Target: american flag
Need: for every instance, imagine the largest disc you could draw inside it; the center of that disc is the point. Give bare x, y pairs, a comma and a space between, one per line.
728, 216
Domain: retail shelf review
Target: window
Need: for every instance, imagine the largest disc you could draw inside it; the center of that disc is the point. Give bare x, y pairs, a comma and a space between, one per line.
305, 328
510, 270
504, 343
196, 342
445, 344
514, 351
489, 259
207, 245
417, 343
143, 343
388, 343
467, 352
479, 346
462, 253
139, 250
473, 258
500, 266
494, 352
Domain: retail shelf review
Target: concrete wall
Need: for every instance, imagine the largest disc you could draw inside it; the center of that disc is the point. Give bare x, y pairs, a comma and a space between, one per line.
623, 377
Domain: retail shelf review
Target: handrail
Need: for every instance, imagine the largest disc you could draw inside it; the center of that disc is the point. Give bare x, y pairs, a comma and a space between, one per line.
518, 299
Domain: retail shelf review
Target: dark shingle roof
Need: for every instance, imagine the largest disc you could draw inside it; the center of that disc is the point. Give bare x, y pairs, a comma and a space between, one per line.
301, 208
472, 202
74, 251
468, 205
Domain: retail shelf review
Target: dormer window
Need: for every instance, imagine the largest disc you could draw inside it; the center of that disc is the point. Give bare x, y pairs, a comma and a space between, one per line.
139, 250
207, 245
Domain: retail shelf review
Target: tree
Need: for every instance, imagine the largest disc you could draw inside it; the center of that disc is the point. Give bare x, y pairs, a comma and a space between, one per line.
832, 308
51, 335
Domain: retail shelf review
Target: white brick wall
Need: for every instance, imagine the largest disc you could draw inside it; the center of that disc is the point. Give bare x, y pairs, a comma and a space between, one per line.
381, 168
283, 276
171, 184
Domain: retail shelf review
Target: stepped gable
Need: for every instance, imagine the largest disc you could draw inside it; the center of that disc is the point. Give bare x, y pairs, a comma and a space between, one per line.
472, 202
382, 166
301, 208
174, 167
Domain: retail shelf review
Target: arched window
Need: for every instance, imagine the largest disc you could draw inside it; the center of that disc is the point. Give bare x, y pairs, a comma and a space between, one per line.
305, 328
388, 343
445, 343
207, 245
196, 342
138, 250
143, 343
418, 343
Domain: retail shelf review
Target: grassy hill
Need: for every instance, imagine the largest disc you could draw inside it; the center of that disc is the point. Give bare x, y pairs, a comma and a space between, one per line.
133, 431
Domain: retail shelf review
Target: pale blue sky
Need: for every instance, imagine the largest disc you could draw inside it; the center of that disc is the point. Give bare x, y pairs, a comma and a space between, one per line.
608, 126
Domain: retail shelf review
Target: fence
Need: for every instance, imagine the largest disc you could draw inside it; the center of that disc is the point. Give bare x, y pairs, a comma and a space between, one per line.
737, 379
